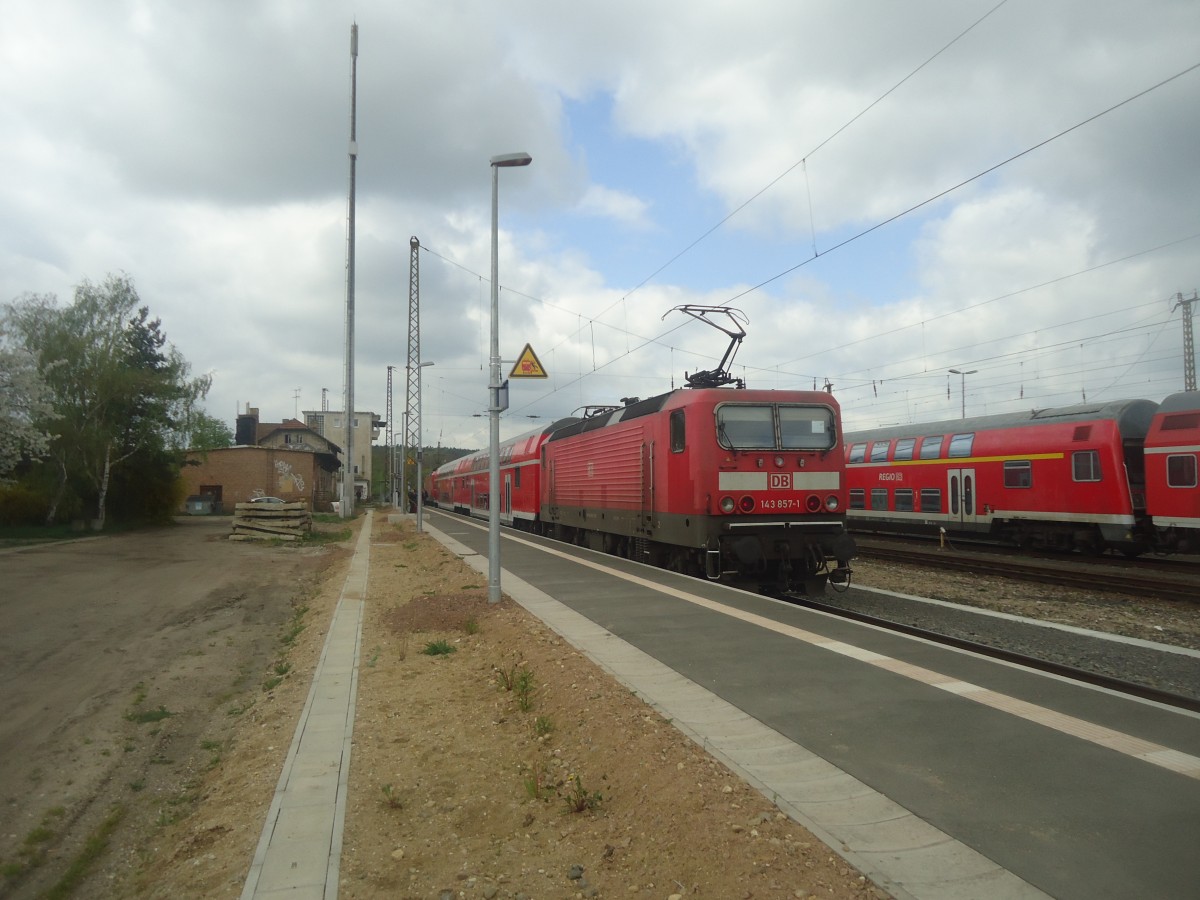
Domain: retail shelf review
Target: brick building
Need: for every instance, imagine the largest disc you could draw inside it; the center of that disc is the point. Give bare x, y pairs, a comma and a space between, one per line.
285, 459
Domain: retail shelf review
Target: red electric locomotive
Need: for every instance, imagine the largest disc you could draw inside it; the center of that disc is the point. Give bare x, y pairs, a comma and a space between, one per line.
739, 485
1070, 478
1172, 491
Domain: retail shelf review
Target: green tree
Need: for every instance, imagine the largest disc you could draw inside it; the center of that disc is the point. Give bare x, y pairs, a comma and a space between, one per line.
118, 388
25, 408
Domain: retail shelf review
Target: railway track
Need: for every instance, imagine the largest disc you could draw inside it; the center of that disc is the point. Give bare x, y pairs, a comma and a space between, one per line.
1179, 586
1097, 679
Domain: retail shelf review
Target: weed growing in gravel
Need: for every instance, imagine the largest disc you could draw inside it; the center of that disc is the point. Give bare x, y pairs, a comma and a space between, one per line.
391, 798
439, 648
374, 656
523, 688
535, 782
471, 626
271, 683
578, 799
542, 726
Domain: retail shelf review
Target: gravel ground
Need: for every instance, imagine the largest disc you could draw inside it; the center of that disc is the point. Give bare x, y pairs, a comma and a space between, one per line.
1169, 625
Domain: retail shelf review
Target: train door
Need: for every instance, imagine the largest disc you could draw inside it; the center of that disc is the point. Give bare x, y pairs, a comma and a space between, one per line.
960, 491
506, 500
647, 517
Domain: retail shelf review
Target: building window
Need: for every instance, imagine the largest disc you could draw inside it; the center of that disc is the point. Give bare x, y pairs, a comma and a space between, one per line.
1018, 473
1085, 465
878, 498
1181, 471
337, 422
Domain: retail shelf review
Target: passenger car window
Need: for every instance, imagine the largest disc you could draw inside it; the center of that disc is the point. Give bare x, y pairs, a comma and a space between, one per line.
960, 445
931, 500
1181, 470
904, 500
1018, 473
858, 498
858, 453
904, 448
879, 451
1085, 465
931, 446
879, 498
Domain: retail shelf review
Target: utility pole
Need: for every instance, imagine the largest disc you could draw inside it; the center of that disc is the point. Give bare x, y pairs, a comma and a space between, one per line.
347, 507
1189, 346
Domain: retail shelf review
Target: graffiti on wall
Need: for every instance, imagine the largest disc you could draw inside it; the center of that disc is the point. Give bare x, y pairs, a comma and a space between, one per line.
289, 481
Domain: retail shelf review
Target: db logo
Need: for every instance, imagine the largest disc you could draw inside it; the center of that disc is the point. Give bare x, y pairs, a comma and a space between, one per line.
779, 481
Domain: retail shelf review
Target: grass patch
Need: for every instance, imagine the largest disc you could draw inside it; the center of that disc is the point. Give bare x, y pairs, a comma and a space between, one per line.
439, 648
142, 716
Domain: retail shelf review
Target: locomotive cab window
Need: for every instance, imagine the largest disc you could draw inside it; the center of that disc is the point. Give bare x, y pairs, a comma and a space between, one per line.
1085, 465
805, 428
1018, 473
770, 427
904, 448
746, 427
678, 440
1181, 470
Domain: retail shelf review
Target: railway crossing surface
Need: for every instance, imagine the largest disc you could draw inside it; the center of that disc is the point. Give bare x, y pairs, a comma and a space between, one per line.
936, 773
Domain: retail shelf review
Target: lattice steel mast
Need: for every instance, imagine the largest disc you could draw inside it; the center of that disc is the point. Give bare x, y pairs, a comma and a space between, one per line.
412, 421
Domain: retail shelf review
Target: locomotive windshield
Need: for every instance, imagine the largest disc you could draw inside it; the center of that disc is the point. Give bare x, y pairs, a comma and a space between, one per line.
773, 427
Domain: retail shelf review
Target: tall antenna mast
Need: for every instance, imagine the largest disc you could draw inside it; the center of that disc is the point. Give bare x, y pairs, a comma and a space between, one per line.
347, 508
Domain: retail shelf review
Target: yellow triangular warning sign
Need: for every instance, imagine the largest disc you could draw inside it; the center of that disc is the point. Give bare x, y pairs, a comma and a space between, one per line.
528, 366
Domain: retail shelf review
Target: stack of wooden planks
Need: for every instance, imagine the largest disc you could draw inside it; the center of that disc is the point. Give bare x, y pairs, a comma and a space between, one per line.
271, 521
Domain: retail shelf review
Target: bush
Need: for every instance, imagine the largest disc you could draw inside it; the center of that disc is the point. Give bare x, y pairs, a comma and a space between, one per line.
20, 505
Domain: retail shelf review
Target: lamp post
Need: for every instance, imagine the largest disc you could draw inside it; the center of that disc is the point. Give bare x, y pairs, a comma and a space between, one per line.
420, 451
963, 379
505, 160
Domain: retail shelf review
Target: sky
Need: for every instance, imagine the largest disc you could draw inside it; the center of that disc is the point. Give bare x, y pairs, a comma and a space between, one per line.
882, 191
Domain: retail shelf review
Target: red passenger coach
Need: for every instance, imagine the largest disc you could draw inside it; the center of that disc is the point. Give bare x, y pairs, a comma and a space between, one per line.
1070, 478
462, 484
1172, 491
739, 485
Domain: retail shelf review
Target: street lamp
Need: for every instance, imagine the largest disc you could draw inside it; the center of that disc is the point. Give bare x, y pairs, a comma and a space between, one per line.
505, 160
963, 377
420, 451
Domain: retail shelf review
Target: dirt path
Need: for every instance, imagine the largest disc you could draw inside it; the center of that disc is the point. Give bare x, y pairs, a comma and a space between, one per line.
123, 661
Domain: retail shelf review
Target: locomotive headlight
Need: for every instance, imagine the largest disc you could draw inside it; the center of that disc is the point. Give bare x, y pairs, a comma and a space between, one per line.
831, 503
746, 504
727, 504
779, 462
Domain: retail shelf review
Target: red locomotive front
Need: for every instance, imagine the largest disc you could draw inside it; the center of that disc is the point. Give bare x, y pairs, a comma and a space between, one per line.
739, 485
